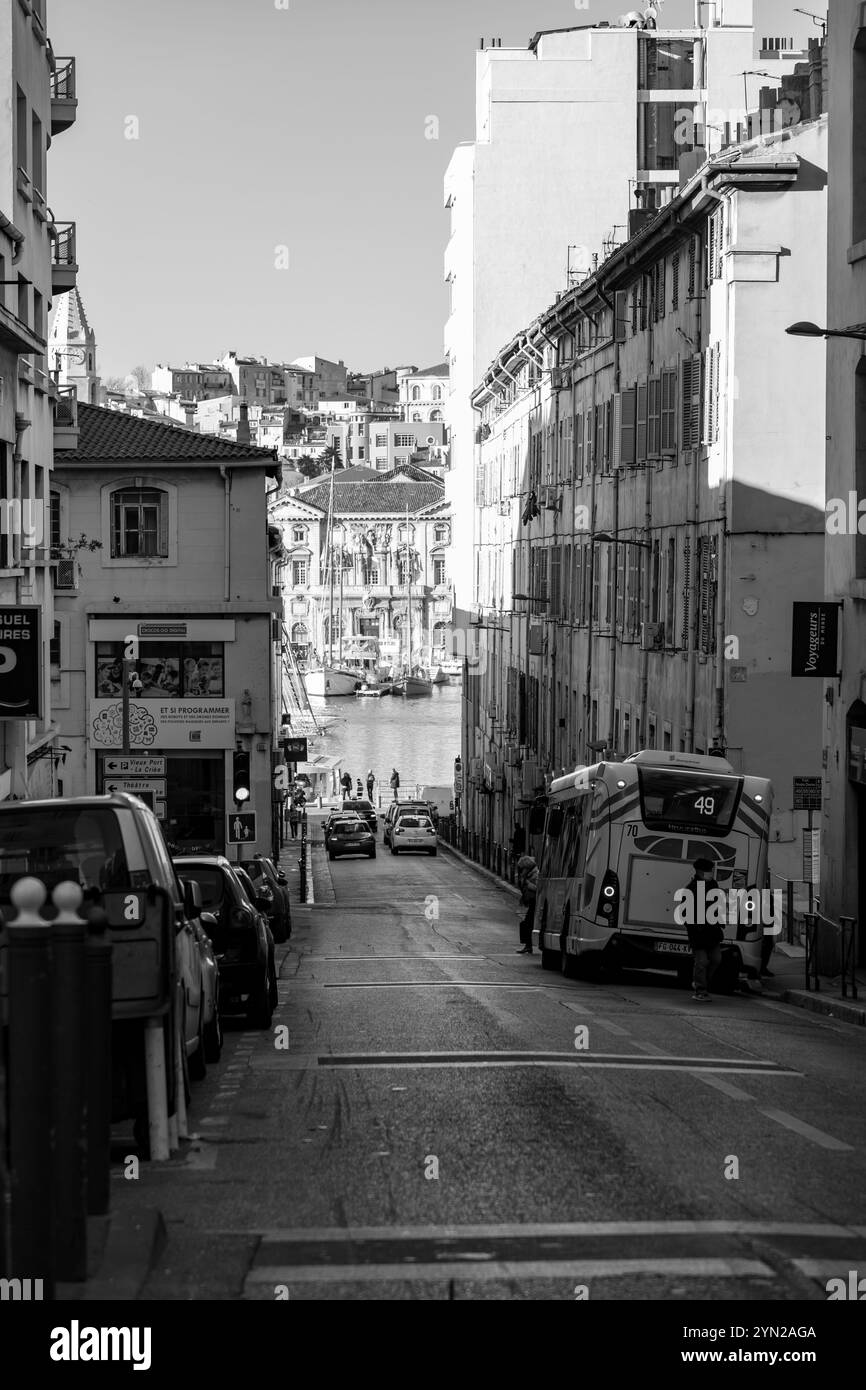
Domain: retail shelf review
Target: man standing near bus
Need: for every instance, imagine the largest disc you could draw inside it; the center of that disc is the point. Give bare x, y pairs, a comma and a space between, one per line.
705, 938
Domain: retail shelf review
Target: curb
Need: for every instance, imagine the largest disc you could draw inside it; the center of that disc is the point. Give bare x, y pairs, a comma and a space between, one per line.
135, 1240
479, 869
839, 1009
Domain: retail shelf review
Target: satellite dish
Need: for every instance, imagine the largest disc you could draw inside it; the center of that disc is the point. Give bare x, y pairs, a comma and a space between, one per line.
431, 439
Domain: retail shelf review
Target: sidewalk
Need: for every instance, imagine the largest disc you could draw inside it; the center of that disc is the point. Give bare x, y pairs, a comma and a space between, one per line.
788, 984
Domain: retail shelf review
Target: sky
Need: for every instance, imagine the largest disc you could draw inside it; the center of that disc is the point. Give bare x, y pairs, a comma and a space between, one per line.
280, 196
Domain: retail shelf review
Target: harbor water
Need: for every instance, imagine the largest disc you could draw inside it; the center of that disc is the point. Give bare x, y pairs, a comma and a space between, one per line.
420, 737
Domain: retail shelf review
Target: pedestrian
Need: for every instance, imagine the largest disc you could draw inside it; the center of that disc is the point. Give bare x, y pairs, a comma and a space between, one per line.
346, 783
705, 938
294, 817
518, 839
359, 790
527, 882
371, 782
394, 781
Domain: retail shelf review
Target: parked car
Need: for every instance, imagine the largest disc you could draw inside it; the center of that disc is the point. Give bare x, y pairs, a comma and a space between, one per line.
213, 1028
441, 802
243, 940
395, 809
113, 847
350, 835
264, 871
363, 808
413, 831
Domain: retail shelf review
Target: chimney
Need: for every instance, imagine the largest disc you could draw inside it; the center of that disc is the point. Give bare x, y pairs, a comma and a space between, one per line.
243, 434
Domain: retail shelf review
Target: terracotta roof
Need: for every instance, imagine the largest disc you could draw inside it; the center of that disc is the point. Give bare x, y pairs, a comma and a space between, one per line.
111, 436
380, 495
441, 369
409, 470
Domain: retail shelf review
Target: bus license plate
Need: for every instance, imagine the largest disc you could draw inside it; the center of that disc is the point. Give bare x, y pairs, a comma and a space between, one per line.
680, 947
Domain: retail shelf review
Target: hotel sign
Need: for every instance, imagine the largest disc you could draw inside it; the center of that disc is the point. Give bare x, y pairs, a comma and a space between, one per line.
814, 640
162, 724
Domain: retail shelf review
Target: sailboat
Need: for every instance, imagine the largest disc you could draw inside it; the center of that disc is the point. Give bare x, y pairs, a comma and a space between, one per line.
327, 678
412, 682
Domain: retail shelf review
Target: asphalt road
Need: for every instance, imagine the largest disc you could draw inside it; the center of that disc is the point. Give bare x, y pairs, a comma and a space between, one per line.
433, 1116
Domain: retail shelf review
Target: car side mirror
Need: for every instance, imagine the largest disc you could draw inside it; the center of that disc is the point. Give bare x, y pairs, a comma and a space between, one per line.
191, 897
208, 921
282, 880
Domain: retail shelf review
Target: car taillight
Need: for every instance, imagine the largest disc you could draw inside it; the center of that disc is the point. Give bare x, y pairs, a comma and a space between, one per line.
608, 900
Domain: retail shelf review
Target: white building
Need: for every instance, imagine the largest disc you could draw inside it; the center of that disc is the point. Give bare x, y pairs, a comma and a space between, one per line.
423, 394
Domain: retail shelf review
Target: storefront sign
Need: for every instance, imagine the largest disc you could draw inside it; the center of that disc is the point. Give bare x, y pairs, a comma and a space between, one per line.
20, 684
163, 723
134, 767
153, 786
814, 639
162, 629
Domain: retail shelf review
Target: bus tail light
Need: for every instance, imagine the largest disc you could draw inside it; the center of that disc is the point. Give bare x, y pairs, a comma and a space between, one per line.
608, 900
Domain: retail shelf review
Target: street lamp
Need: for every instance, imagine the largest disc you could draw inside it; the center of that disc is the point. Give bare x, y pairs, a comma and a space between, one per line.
811, 330
750, 72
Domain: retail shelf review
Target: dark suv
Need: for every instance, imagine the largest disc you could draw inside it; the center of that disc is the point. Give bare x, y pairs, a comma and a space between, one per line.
363, 808
267, 877
242, 938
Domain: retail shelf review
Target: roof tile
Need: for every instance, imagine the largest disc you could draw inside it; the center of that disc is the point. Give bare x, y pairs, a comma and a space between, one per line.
112, 436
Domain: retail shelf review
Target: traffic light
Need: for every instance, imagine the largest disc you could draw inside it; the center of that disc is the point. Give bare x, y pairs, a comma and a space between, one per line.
241, 778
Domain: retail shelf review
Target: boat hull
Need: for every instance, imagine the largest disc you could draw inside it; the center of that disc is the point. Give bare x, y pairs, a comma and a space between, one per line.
412, 687
330, 681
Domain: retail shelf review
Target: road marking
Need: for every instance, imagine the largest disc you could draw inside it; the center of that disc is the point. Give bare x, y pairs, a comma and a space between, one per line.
566, 1059
816, 1136
822, 1270
726, 1087
529, 1269
812, 1230
427, 955
431, 984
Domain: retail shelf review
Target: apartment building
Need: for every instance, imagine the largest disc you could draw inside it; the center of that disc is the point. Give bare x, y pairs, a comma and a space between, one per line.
843, 832
574, 134
423, 393
649, 502
37, 263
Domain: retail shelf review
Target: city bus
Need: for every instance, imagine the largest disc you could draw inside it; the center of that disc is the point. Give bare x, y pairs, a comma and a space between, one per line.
621, 837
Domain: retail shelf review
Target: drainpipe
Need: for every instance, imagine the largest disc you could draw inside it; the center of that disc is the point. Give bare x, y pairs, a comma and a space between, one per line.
227, 493
648, 552
694, 513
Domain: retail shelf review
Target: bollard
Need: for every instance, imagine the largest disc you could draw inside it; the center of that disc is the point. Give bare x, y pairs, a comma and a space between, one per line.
97, 1059
68, 1010
31, 1139
157, 1094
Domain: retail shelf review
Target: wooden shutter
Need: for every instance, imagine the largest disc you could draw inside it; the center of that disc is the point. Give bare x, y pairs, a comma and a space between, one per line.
163, 523
692, 373
653, 417
685, 635
669, 412
711, 401
608, 433
625, 406
675, 282
620, 584
660, 304
620, 314
578, 426
709, 274
641, 424
692, 267
588, 455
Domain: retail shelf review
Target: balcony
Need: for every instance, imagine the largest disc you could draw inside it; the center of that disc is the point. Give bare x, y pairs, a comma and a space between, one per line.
66, 418
64, 267
64, 102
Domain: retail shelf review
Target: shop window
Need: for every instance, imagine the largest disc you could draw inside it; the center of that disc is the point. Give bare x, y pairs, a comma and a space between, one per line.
170, 671
139, 523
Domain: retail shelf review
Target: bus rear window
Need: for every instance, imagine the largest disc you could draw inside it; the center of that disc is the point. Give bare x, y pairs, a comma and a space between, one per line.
673, 800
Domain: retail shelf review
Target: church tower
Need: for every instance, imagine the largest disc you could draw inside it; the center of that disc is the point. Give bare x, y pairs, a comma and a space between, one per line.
72, 348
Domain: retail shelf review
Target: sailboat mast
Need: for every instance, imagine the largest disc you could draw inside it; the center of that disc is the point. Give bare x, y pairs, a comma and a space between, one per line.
331, 562
408, 593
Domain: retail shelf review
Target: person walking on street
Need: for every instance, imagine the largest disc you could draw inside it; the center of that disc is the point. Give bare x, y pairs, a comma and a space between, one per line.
705, 938
395, 782
294, 817
371, 782
346, 783
518, 839
527, 882
359, 790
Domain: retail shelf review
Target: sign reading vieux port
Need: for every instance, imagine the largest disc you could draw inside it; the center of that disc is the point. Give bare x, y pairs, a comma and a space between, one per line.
161, 724
814, 639
20, 684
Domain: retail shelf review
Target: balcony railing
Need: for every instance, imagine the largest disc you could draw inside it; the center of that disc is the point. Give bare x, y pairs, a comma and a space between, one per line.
64, 267
66, 418
64, 101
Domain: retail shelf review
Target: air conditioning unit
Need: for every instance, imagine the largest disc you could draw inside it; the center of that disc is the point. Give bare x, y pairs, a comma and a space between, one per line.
652, 637
476, 770
66, 575
533, 778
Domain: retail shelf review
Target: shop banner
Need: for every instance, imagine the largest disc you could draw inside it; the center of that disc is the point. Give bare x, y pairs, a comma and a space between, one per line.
162, 723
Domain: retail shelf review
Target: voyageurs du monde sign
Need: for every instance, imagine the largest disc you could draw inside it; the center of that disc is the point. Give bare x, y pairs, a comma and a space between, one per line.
814, 639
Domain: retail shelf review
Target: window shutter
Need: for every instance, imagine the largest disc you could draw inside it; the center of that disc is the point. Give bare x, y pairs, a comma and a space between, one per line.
588, 456
578, 425
692, 267
675, 282
616, 425
620, 585
669, 411
653, 417
620, 314
163, 523
641, 424
626, 431
686, 398
659, 304
687, 595
711, 250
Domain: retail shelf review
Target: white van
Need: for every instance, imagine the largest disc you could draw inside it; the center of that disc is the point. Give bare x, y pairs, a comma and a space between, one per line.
441, 800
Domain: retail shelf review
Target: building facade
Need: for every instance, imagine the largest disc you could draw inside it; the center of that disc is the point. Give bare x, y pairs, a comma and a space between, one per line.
375, 557
423, 394
37, 263
649, 503
843, 834
167, 561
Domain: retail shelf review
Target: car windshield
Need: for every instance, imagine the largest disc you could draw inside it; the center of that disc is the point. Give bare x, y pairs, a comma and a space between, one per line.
84, 844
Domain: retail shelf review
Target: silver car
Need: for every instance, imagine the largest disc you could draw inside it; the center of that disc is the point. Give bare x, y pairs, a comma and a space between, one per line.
413, 830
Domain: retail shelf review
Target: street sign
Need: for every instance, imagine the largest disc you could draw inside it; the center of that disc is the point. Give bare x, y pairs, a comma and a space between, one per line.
808, 793
295, 749
134, 767
136, 786
20, 683
811, 856
240, 827
814, 639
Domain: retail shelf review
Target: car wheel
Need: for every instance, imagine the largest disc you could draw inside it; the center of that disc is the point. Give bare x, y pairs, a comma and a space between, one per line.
433, 851
550, 960
198, 1060
213, 1036
372, 854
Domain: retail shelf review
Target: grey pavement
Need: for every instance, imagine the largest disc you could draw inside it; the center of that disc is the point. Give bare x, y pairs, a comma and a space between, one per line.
432, 1116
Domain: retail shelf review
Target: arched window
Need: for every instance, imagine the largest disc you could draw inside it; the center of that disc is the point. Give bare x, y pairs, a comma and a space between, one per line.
139, 522
416, 393
435, 414
416, 417
437, 393
300, 635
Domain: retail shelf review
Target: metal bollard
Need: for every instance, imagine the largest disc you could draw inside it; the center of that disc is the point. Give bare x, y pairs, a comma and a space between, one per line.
97, 1060
68, 1010
31, 1137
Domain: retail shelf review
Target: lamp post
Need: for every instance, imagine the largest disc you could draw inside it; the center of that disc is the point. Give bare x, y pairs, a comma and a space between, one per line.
750, 72
804, 329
